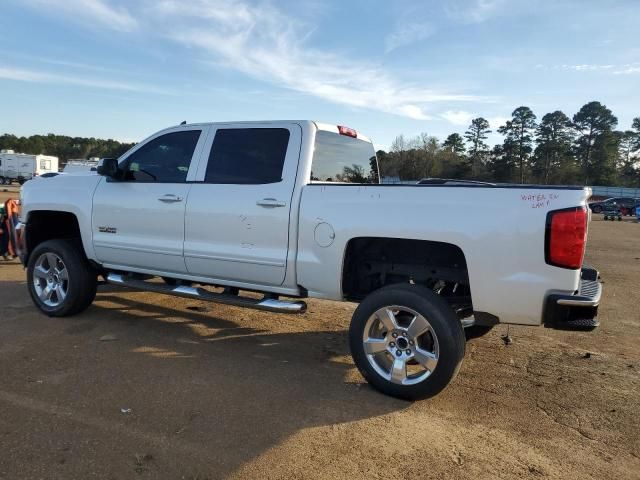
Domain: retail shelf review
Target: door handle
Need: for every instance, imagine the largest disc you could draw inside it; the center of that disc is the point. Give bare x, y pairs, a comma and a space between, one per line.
170, 198
271, 202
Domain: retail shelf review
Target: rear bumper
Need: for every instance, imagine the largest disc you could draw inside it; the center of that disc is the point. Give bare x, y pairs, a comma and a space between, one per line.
578, 311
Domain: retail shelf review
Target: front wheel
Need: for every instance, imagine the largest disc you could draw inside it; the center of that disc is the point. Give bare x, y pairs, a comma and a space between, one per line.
60, 280
406, 341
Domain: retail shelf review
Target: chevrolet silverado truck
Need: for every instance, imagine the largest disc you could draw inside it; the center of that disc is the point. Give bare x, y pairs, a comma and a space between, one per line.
266, 214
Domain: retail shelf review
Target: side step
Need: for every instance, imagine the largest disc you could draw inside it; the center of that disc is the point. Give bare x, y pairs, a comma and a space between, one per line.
266, 303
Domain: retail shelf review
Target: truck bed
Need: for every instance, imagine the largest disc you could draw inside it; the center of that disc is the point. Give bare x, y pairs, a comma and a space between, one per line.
499, 228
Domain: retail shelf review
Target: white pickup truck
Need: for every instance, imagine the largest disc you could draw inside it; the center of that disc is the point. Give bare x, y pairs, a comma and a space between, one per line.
294, 209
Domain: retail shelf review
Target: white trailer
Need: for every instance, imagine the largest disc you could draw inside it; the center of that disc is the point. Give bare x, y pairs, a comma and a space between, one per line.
20, 167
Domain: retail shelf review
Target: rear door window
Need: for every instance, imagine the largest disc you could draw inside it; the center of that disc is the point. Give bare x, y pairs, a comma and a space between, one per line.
247, 156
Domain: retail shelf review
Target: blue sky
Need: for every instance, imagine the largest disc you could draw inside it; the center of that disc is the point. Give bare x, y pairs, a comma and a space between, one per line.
124, 69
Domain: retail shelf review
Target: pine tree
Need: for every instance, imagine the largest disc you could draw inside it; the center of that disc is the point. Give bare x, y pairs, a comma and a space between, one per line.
455, 144
554, 137
595, 124
519, 137
476, 136
635, 129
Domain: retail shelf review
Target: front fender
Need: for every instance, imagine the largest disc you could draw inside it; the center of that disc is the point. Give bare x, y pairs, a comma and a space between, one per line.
64, 193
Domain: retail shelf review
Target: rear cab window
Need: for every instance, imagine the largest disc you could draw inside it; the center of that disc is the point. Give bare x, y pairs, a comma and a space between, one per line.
341, 158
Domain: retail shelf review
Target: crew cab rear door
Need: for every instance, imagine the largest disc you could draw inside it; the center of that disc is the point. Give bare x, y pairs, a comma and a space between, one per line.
237, 217
138, 221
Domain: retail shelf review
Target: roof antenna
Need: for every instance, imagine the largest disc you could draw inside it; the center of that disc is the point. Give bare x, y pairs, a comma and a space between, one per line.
184, 122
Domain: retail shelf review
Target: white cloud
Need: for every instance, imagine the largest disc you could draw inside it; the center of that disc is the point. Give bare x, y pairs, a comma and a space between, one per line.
585, 67
497, 122
473, 11
38, 76
83, 11
627, 70
263, 42
458, 117
407, 34
82, 66
614, 69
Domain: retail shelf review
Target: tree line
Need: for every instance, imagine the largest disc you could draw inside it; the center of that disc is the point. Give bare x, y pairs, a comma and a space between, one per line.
64, 147
585, 149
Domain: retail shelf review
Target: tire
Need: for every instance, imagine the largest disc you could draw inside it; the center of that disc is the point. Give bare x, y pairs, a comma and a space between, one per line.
1, 180
427, 361
477, 331
597, 209
73, 291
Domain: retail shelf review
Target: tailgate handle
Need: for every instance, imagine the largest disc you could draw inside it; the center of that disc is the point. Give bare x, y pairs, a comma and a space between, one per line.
170, 198
271, 202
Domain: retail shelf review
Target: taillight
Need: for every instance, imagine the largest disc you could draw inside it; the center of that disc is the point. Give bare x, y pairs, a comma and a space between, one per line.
349, 132
566, 237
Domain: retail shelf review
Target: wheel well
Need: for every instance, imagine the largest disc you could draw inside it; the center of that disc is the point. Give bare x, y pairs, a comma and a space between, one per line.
372, 262
46, 225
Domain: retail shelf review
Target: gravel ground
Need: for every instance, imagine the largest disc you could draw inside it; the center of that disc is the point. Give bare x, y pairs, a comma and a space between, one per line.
148, 386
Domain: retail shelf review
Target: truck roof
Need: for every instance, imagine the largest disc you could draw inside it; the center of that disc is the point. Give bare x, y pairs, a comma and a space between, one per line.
330, 127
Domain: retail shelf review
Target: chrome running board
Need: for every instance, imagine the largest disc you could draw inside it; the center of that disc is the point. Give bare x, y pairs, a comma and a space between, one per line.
468, 322
266, 303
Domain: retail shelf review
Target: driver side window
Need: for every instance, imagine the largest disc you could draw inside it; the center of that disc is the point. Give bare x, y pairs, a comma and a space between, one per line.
165, 159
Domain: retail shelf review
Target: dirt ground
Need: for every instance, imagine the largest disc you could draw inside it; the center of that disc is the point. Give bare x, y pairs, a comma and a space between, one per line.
148, 386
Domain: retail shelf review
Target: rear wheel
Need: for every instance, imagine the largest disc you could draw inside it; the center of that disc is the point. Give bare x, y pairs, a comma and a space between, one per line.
406, 341
597, 209
60, 280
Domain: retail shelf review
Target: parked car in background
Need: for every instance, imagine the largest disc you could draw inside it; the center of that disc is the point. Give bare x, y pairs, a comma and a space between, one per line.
626, 204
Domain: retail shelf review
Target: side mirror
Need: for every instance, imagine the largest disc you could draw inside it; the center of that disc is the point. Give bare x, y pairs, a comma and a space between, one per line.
108, 167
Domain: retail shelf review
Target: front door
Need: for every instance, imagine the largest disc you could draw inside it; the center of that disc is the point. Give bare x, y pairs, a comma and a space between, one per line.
237, 219
138, 220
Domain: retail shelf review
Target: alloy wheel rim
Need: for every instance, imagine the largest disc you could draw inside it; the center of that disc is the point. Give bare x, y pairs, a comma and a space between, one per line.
51, 279
401, 345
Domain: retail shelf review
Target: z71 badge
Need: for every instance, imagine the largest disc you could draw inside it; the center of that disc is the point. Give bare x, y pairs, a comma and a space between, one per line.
107, 229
